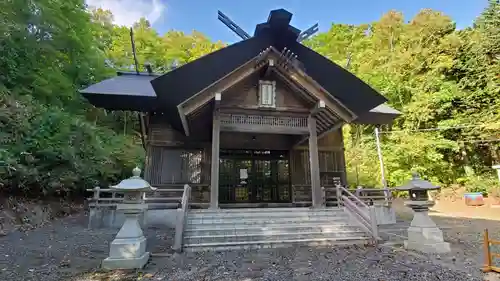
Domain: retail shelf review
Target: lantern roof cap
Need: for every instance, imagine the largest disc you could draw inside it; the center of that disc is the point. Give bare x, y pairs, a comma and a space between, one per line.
134, 183
416, 183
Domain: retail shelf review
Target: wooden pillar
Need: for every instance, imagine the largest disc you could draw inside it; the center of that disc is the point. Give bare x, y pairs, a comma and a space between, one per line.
343, 174
214, 176
317, 197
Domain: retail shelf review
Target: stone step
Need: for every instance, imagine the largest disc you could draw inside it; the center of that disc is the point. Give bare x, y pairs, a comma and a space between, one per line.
268, 230
264, 225
272, 237
271, 220
265, 214
263, 210
225, 246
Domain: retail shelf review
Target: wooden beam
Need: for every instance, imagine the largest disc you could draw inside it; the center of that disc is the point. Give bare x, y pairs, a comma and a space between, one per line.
219, 86
252, 128
214, 176
323, 119
336, 127
142, 125
294, 87
323, 122
343, 175
217, 98
344, 114
184, 121
279, 110
183, 115
318, 108
318, 91
320, 125
317, 197
270, 66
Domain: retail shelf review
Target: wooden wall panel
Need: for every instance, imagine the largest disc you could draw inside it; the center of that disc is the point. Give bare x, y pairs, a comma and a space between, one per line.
175, 166
246, 92
161, 133
232, 140
285, 97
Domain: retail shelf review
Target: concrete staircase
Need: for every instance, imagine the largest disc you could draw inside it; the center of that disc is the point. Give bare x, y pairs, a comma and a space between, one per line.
227, 229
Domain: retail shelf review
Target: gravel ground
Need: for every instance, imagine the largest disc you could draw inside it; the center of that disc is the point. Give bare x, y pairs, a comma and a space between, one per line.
339, 263
63, 249
66, 250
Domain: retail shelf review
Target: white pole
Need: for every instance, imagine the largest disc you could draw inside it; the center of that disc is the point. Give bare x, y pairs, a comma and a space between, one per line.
381, 160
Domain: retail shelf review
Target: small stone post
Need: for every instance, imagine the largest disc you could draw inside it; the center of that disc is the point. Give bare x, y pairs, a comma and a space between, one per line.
423, 234
128, 250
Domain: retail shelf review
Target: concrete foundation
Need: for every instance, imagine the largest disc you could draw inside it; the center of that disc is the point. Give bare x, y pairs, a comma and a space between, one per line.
425, 236
385, 215
127, 254
115, 219
128, 249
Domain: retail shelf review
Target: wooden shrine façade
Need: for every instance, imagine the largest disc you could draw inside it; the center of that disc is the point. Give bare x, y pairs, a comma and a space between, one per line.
257, 123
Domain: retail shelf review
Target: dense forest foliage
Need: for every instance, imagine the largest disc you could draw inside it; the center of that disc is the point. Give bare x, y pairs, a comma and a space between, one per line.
445, 82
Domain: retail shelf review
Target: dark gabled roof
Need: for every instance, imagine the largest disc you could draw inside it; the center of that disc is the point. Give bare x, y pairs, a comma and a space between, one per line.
165, 92
126, 91
355, 94
178, 85
182, 83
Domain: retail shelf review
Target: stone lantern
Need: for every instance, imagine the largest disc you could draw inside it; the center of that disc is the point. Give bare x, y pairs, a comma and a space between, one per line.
423, 234
128, 250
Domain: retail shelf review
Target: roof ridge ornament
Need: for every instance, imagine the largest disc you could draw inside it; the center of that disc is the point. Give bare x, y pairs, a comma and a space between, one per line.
278, 21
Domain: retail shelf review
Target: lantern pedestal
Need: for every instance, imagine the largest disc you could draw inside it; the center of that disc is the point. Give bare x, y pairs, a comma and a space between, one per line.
423, 234
128, 250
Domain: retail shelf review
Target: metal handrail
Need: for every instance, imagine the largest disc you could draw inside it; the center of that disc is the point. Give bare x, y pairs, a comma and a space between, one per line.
359, 215
181, 219
355, 205
341, 188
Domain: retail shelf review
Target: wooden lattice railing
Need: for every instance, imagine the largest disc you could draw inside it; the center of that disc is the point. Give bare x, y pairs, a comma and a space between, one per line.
264, 120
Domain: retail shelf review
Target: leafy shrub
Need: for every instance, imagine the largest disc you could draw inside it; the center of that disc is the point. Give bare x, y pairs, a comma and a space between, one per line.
484, 184
45, 150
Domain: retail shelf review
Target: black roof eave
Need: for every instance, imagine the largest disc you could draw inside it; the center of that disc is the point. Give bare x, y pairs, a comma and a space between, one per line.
126, 91
122, 102
380, 115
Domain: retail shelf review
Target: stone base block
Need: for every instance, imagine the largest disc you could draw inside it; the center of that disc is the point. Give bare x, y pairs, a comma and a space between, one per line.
437, 248
127, 248
385, 215
130, 263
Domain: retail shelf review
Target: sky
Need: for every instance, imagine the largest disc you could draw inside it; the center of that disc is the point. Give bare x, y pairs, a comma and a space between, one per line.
201, 15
